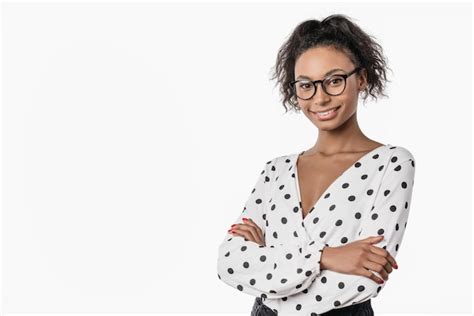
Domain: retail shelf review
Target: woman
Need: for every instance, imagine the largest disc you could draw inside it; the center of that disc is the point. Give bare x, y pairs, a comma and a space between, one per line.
321, 228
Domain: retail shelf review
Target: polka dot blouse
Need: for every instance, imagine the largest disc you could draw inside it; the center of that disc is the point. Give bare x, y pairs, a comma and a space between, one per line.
372, 197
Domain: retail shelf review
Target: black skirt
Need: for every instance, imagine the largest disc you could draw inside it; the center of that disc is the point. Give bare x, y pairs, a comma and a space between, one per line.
361, 309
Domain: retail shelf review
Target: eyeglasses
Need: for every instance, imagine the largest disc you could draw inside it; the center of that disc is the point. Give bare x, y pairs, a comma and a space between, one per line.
333, 85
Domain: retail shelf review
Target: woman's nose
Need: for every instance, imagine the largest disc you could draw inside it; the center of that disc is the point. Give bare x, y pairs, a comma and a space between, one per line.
320, 94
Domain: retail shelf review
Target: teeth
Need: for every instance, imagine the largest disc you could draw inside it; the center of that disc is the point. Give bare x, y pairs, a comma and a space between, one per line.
327, 112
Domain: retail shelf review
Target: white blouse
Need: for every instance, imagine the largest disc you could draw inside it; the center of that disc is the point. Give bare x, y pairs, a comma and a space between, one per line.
372, 197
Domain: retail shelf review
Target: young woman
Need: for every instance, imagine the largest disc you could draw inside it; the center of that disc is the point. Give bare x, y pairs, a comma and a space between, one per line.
321, 228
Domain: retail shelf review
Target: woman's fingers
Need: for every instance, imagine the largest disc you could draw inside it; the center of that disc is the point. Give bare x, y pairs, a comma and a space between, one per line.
376, 267
384, 253
243, 232
259, 231
381, 261
248, 231
369, 274
251, 229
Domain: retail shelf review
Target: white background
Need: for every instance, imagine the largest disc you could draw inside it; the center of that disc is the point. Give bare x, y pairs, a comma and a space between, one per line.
134, 132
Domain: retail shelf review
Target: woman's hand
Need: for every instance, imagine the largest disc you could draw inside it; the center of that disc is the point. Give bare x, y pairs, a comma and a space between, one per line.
249, 230
358, 258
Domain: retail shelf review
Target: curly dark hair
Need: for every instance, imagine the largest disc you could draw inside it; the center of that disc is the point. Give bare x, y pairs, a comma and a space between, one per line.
337, 31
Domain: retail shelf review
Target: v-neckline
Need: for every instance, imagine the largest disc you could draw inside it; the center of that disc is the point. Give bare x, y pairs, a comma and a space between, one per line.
297, 185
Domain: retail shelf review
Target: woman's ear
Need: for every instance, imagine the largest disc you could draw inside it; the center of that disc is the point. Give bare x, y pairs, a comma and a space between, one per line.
362, 79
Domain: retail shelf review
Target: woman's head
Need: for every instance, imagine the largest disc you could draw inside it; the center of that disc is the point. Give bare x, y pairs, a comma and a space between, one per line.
316, 47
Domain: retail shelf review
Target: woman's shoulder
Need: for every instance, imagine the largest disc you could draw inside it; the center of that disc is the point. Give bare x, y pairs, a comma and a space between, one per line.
400, 153
283, 159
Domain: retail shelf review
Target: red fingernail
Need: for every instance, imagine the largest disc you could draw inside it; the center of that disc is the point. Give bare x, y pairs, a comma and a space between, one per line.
245, 218
233, 225
395, 266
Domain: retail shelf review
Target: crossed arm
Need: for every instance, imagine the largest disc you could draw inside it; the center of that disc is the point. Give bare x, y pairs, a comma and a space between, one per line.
245, 263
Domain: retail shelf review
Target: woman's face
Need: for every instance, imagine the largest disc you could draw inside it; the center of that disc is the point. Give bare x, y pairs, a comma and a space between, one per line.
313, 64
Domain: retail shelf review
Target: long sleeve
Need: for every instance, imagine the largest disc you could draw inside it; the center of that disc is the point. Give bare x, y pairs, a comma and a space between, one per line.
267, 271
388, 217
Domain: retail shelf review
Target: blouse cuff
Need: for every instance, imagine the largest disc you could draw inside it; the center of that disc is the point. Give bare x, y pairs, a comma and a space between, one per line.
315, 251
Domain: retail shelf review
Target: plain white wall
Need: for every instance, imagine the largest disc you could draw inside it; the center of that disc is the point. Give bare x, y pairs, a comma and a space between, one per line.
133, 133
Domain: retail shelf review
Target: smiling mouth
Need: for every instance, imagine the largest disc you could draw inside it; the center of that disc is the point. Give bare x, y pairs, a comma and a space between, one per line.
327, 111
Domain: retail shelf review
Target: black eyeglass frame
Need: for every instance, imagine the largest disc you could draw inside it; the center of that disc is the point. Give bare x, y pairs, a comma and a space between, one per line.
315, 83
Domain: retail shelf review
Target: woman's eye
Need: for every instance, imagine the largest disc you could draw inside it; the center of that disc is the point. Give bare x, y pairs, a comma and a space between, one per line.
304, 85
335, 81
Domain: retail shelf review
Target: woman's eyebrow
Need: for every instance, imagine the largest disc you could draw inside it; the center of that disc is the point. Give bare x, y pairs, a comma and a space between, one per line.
326, 74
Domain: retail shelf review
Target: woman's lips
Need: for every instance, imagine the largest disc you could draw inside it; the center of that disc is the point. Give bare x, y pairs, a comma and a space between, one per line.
332, 114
